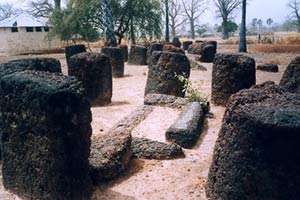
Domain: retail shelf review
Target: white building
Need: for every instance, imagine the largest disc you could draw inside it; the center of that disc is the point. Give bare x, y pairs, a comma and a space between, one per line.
25, 34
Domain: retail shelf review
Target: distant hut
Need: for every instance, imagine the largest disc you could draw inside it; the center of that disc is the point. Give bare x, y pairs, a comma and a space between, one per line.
25, 34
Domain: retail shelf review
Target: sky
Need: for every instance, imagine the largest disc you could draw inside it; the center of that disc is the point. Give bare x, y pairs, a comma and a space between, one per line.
262, 9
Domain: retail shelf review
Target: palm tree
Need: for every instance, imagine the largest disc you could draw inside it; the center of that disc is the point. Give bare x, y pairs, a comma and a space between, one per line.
243, 40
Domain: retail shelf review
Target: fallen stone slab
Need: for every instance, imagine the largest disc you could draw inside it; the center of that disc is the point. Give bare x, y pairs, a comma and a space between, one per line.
257, 152
268, 68
39, 64
45, 136
165, 100
291, 77
110, 155
150, 149
187, 128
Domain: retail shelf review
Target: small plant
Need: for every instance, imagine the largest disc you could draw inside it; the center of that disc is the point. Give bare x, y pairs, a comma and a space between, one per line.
192, 94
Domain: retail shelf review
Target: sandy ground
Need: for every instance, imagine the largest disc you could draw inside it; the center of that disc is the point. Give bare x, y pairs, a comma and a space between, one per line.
173, 179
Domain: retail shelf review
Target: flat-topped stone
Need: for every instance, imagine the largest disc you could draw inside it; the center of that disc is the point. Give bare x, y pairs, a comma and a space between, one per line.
45, 136
73, 50
256, 155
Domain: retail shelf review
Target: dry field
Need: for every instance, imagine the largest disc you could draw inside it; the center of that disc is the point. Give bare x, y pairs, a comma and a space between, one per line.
174, 179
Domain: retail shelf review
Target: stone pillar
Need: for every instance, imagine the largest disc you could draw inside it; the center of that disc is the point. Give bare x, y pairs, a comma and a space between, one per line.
116, 56
95, 72
138, 55
162, 70
291, 76
39, 64
176, 42
186, 45
231, 73
45, 124
153, 47
124, 48
257, 153
73, 50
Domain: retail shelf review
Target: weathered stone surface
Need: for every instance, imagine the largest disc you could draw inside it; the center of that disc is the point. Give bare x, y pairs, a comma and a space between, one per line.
95, 72
208, 53
162, 70
231, 73
257, 153
73, 50
187, 128
165, 100
172, 48
45, 136
124, 48
39, 64
195, 48
116, 56
110, 155
291, 77
186, 45
176, 42
138, 55
150, 149
268, 67
153, 47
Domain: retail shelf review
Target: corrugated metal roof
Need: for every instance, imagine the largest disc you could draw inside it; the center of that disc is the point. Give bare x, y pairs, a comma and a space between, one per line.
23, 20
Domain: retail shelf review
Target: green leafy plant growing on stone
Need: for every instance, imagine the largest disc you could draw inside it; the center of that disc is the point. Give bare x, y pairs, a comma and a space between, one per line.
192, 94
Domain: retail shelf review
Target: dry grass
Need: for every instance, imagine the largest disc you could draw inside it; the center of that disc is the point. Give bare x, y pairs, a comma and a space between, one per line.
275, 48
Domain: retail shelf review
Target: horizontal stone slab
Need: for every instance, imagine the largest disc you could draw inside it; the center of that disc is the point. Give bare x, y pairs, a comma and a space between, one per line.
187, 128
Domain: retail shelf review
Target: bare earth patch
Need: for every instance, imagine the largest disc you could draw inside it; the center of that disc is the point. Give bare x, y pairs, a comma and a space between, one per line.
171, 179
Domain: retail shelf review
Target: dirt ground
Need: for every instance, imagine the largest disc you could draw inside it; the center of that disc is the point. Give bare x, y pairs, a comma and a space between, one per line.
172, 179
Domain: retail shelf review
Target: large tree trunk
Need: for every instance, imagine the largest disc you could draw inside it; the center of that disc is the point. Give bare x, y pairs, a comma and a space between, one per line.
192, 28
167, 36
243, 40
57, 4
132, 35
225, 33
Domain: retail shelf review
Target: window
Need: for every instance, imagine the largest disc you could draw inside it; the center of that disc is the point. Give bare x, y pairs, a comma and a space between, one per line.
14, 29
29, 29
46, 29
38, 29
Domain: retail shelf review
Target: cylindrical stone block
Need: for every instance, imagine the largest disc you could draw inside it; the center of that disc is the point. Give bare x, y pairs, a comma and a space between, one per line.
162, 73
208, 53
153, 47
291, 76
176, 42
116, 56
186, 45
73, 50
256, 156
124, 48
231, 73
138, 55
45, 135
39, 64
95, 72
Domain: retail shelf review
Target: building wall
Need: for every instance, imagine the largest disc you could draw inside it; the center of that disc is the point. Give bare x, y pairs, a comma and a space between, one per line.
25, 42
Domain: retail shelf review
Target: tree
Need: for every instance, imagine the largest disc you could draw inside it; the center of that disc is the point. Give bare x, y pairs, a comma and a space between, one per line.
167, 34
225, 10
193, 9
43, 8
109, 24
243, 39
270, 21
6, 11
175, 16
294, 5
231, 27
